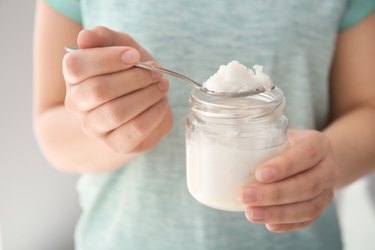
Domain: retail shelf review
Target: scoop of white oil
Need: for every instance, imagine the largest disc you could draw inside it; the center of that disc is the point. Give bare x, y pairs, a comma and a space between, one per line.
235, 77
226, 139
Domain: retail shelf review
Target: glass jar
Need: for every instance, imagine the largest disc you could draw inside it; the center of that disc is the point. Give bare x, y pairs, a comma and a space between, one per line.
226, 139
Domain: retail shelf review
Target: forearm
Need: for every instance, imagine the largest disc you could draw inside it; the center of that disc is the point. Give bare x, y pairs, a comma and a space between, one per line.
69, 149
353, 142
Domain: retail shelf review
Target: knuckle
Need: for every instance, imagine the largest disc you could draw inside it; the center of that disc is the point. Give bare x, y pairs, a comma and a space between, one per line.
286, 167
127, 39
107, 34
101, 29
124, 139
312, 185
126, 36
85, 96
136, 129
140, 148
311, 152
145, 146
112, 115
96, 91
152, 95
287, 161
117, 144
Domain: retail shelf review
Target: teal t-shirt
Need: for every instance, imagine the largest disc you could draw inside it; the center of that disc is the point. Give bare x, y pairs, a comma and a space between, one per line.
146, 204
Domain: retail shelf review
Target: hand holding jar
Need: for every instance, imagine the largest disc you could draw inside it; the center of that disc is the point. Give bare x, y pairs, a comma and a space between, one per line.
294, 188
240, 146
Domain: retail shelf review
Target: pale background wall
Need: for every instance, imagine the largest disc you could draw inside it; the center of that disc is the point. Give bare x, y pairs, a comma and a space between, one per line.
38, 205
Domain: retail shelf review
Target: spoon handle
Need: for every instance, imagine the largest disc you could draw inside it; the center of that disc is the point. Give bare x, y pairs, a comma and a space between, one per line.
168, 72
154, 68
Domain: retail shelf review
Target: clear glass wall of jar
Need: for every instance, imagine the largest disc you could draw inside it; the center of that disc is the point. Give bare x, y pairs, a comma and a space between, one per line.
226, 139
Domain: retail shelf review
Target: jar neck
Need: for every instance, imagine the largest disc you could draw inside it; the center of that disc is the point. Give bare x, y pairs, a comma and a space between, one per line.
261, 108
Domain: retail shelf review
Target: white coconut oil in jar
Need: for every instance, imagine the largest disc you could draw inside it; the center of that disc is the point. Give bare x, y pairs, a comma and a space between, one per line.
226, 139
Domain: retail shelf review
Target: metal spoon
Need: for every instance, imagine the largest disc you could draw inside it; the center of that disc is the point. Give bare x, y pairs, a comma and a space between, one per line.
190, 81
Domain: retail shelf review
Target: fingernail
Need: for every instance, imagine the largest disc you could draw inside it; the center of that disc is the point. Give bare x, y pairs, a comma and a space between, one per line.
163, 84
265, 174
257, 213
250, 195
130, 56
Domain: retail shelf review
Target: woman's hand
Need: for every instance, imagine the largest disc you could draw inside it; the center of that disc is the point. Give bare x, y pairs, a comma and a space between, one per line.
124, 106
293, 189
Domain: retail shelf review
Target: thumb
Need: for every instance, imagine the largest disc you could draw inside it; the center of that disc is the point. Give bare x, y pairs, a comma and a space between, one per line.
100, 36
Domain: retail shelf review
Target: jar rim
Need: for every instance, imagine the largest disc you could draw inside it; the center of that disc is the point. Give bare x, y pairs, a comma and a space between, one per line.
267, 100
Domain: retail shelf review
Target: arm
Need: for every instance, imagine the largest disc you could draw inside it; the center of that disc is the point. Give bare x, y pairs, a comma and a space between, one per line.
293, 189
60, 133
352, 131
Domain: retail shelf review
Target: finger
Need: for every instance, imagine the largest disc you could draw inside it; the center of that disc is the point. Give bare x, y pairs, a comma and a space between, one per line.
291, 213
301, 187
98, 90
82, 64
304, 154
159, 132
100, 36
282, 228
131, 134
113, 114
294, 135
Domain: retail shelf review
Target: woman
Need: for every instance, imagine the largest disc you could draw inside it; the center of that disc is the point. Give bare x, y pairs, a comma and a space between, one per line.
112, 122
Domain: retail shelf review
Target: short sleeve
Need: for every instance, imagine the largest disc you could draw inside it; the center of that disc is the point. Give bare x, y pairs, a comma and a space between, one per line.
69, 8
356, 11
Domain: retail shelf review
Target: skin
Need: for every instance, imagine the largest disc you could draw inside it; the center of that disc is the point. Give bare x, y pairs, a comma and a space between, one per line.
100, 112
301, 181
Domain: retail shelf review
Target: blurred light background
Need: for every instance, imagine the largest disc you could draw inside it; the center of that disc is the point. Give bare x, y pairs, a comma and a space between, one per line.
38, 205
